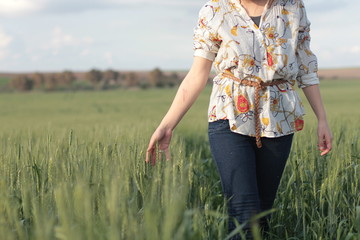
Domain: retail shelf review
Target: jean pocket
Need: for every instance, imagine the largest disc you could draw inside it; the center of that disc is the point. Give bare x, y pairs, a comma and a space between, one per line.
218, 125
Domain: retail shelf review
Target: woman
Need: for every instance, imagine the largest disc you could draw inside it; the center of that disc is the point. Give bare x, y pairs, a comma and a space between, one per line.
260, 50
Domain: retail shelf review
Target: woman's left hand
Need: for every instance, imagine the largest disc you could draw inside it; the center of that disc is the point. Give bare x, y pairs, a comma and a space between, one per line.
324, 137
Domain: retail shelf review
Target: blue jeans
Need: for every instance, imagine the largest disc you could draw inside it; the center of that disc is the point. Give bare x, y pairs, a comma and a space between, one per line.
249, 176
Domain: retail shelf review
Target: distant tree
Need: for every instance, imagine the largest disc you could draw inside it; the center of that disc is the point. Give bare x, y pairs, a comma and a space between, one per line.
174, 79
38, 79
22, 83
94, 76
131, 79
144, 84
157, 78
121, 78
109, 78
51, 81
110, 75
66, 78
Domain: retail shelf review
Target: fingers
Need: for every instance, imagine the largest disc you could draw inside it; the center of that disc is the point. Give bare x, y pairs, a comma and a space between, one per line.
328, 145
325, 144
321, 142
325, 152
158, 146
153, 152
150, 152
151, 155
321, 145
324, 149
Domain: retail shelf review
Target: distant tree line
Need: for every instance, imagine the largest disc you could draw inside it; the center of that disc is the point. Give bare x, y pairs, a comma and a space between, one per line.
94, 79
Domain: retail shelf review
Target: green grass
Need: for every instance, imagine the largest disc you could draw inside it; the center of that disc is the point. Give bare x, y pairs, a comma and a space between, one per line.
72, 167
4, 81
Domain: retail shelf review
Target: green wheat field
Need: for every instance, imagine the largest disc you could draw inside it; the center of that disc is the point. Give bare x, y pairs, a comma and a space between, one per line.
72, 167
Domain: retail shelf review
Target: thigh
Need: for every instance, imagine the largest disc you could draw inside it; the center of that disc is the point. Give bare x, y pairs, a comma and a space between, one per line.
270, 163
234, 155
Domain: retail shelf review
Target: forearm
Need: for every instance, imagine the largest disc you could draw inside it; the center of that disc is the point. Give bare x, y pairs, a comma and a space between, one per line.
312, 94
188, 92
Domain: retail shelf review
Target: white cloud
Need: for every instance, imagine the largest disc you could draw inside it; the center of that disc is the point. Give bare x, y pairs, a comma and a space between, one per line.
16, 56
85, 52
2, 55
5, 41
355, 49
61, 39
19, 7
159, 2
108, 56
326, 5
35, 58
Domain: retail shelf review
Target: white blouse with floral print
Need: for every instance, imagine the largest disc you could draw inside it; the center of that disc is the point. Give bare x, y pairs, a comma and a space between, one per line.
276, 49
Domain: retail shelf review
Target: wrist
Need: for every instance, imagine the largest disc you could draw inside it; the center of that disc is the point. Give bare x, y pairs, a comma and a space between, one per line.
322, 120
166, 126
321, 116
323, 124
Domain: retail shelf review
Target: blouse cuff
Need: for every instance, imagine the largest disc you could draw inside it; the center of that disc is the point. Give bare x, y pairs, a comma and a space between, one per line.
205, 54
308, 80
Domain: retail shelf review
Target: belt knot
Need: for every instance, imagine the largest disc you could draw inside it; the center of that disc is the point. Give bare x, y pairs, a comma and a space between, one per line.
259, 85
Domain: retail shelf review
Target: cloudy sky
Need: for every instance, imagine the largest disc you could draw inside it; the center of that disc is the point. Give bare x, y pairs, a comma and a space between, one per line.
53, 35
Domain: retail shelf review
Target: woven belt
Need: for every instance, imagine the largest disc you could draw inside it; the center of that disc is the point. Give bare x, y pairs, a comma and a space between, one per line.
259, 85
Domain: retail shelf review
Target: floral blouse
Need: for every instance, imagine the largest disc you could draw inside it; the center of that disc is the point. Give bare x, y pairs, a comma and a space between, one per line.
276, 49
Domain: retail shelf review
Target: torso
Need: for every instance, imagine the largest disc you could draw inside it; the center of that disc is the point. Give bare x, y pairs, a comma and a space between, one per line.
258, 52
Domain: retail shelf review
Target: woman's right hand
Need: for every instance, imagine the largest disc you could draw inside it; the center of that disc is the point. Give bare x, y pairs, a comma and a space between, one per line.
161, 137
188, 91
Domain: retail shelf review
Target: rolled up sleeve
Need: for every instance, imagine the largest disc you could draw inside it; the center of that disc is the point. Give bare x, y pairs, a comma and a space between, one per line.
306, 59
206, 39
